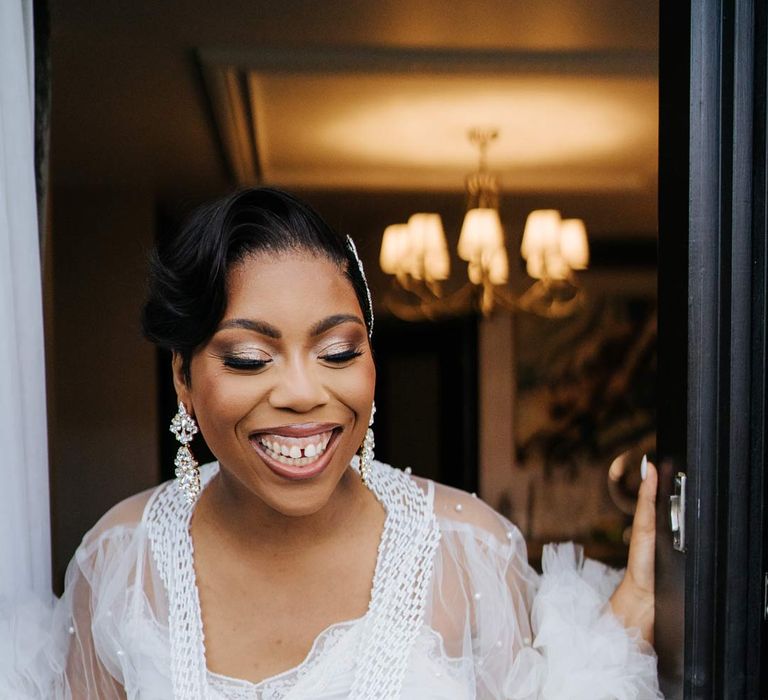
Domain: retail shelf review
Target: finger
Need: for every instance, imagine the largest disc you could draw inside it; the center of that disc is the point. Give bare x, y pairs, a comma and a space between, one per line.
645, 512
642, 545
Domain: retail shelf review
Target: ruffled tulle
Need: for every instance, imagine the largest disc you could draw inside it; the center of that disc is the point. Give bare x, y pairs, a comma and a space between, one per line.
31, 658
530, 636
589, 654
492, 628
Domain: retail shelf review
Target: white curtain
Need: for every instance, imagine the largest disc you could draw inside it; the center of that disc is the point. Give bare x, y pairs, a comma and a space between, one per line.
25, 546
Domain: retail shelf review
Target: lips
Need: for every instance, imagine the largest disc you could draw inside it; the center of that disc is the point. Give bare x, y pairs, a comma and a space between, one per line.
297, 451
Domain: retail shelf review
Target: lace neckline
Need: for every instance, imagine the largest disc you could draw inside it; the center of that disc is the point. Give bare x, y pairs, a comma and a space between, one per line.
276, 686
388, 630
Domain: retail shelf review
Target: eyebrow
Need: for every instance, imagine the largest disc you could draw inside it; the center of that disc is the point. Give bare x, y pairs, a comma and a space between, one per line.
261, 327
267, 329
327, 323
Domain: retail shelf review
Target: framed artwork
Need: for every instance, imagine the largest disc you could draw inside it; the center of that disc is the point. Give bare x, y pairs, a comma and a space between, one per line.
585, 393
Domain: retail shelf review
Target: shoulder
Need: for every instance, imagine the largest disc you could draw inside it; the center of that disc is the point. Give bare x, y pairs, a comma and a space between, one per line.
113, 546
457, 510
123, 516
466, 514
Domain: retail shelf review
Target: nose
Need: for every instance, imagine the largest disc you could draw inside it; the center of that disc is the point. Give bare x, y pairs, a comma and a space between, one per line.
298, 388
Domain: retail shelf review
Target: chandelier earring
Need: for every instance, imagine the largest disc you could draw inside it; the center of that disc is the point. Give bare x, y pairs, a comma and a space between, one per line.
184, 427
366, 452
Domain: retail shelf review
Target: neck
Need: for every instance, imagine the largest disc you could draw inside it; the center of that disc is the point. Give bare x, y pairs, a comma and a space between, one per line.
250, 524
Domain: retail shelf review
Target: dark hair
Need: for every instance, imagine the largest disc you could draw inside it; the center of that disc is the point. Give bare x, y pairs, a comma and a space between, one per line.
188, 271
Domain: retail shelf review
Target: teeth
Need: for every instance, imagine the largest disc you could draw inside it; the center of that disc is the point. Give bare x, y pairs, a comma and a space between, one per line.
286, 450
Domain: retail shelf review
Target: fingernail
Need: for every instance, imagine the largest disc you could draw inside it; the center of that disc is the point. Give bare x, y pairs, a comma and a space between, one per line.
644, 467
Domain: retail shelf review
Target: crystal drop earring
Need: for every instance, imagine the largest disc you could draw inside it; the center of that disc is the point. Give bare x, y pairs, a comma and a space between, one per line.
366, 452
184, 427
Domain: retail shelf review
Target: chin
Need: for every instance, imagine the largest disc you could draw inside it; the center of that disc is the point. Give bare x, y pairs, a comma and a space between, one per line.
302, 500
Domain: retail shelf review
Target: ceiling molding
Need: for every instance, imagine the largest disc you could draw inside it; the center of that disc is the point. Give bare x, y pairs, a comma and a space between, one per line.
257, 147
231, 112
393, 60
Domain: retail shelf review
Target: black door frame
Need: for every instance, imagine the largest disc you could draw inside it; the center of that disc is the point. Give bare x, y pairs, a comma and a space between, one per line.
712, 331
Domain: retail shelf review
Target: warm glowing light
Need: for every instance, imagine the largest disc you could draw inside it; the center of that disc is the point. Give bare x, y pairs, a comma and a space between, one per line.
542, 232
480, 234
534, 266
498, 266
429, 248
437, 264
574, 247
553, 247
418, 249
394, 248
555, 265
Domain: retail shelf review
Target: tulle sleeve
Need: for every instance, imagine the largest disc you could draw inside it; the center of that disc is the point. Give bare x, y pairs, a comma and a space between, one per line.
525, 636
73, 648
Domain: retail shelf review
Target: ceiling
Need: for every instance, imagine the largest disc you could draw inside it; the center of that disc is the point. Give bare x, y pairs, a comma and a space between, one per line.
359, 96
399, 118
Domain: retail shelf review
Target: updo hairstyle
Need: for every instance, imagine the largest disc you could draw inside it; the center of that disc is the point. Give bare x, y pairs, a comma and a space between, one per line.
188, 272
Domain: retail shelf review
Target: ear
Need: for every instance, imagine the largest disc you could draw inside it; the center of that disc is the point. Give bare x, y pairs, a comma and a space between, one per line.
180, 383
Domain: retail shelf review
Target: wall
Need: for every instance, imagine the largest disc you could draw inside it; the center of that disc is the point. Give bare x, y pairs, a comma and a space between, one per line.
103, 432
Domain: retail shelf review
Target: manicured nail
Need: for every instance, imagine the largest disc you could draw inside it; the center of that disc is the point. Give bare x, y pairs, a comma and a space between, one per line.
644, 467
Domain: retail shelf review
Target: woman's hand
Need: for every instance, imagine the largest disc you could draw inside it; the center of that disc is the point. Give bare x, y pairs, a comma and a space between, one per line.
633, 600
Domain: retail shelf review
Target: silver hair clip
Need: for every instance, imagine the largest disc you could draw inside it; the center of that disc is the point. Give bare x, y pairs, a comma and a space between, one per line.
353, 250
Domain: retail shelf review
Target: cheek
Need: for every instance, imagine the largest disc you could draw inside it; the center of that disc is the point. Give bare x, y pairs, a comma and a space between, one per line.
221, 402
355, 386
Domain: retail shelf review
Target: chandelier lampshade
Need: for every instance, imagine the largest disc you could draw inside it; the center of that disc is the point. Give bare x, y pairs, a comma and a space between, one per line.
395, 249
542, 232
481, 234
573, 244
429, 246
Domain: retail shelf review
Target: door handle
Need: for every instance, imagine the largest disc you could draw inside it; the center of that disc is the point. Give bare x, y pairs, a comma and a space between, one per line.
677, 512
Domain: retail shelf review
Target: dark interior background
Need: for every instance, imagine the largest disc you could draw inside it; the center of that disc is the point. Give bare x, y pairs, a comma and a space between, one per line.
133, 148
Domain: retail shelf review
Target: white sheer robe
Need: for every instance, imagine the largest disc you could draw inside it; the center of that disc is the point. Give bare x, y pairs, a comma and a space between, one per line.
455, 612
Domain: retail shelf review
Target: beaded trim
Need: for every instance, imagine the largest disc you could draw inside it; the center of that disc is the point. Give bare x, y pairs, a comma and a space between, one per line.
396, 610
353, 249
168, 522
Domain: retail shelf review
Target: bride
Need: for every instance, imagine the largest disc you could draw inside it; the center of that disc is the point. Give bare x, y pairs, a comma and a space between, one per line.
297, 566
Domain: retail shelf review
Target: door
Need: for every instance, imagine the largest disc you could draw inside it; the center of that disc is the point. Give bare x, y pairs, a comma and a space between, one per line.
711, 622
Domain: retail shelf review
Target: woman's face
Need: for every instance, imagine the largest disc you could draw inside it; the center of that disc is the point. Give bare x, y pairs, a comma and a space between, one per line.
283, 390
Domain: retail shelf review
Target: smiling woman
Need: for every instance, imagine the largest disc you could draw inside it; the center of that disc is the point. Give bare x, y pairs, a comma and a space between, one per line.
283, 389
296, 566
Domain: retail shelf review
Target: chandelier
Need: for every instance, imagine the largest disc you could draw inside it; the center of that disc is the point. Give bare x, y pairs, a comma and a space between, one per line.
416, 255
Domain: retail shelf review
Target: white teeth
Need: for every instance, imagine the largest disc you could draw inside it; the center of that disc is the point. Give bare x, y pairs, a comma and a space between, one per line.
292, 454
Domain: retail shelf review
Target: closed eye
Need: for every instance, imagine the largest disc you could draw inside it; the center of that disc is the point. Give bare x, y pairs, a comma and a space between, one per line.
244, 363
339, 358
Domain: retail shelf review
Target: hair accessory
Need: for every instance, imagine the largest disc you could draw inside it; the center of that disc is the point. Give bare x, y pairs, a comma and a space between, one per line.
353, 251
366, 451
183, 426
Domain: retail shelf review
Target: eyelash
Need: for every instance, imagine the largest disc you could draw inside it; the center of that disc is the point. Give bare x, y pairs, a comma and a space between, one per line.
253, 365
244, 364
341, 357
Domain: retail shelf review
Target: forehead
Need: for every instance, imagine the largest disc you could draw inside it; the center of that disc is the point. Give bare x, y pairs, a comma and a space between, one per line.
288, 287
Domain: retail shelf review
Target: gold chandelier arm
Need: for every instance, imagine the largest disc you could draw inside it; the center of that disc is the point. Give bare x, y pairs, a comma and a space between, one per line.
552, 300
422, 308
